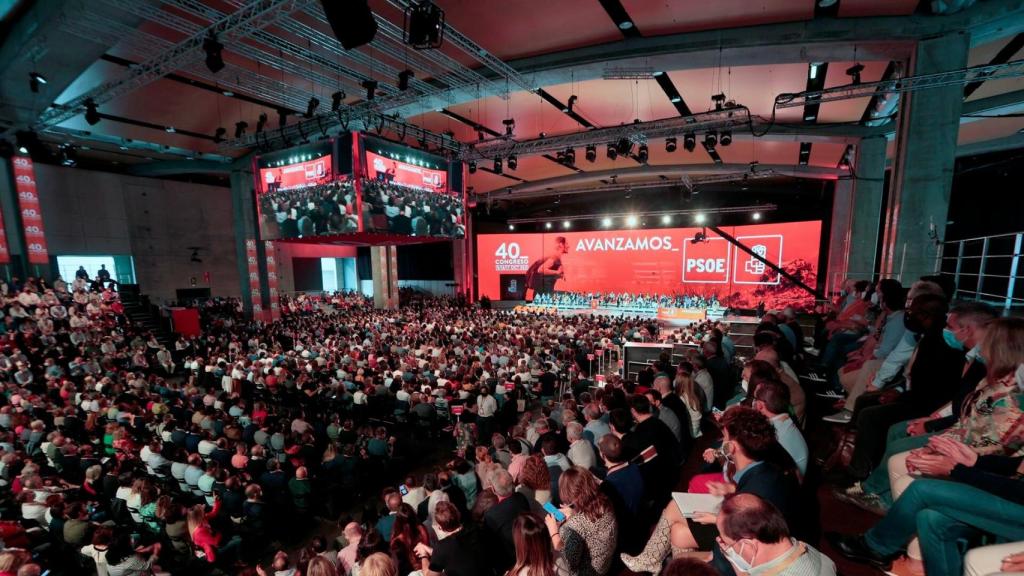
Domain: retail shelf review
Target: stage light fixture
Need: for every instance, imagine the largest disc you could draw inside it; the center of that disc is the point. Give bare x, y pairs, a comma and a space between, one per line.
497, 165
218, 135
606, 222
371, 88
631, 221
641, 153
472, 166
613, 152
510, 126
666, 219
403, 79
92, 116
571, 104
352, 22
854, 72
671, 144
726, 138
560, 156
35, 80
755, 216
689, 142
336, 100
699, 218
311, 107
513, 162
570, 156
424, 25
591, 153
624, 146
261, 122
511, 227
566, 224
240, 128
547, 225
719, 100
699, 237
710, 140
213, 49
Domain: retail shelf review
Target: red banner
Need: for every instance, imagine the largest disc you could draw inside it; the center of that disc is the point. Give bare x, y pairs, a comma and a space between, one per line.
310, 172
653, 262
275, 309
252, 265
31, 213
393, 171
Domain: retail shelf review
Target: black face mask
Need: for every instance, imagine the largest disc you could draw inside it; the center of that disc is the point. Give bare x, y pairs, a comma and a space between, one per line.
913, 323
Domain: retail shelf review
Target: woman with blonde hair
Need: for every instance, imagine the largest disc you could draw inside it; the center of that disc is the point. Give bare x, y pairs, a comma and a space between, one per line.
320, 566
378, 564
686, 387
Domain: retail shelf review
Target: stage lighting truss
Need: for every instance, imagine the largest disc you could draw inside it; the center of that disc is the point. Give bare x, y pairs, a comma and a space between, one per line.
651, 216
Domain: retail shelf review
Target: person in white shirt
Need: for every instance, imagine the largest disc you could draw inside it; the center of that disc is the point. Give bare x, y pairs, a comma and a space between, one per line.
581, 452
486, 406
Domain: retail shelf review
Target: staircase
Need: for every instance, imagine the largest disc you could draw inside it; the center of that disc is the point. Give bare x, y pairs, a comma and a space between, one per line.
141, 312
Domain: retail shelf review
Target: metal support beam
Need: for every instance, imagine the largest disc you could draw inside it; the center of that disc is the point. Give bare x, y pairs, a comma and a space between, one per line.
796, 281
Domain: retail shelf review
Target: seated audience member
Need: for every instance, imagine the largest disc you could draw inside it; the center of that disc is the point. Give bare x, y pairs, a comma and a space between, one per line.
581, 451
624, 486
533, 552
862, 364
749, 444
585, 539
406, 533
393, 500
498, 520
771, 398
349, 540
458, 551
754, 538
652, 443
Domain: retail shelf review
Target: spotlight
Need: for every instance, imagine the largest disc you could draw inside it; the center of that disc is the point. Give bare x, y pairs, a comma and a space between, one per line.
755, 216
513, 162
591, 153
352, 22
699, 218
726, 138
572, 102
35, 80
91, 115
213, 49
671, 144
261, 123
613, 153
606, 222
631, 221
511, 227
560, 156
403, 79
240, 128
336, 100
510, 126
497, 165
719, 100
666, 219
566, 224
311, 107
218, 135
547, 225
689, 141
570, 156
472, 166
625, 25
424, 25
624, 146
699, 237
371, 88
854, 72
710, 139
641, 153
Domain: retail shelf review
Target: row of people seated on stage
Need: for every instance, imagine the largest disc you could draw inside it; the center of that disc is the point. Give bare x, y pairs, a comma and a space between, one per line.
390, 207
312, 211
627, 300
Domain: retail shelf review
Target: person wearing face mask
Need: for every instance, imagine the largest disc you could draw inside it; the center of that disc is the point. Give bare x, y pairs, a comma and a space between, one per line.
755, 464
755, 540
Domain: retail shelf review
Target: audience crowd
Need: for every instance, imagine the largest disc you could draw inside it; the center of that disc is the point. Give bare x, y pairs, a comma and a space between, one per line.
390, 207
647, 303
313, 211
237, 450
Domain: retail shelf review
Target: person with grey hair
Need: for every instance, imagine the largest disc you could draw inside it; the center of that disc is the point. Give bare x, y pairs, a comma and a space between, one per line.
499, 520
595, 428
581, 452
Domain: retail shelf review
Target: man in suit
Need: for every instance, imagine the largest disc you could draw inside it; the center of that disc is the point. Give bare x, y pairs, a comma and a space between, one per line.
499, 519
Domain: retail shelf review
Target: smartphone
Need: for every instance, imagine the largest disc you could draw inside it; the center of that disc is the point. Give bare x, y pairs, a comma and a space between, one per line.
403, 489
550, 509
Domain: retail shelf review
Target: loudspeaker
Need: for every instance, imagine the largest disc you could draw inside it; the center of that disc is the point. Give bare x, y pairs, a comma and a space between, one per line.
351, 20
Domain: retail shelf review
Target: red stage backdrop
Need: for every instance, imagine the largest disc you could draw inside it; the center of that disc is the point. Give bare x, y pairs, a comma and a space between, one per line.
298, 175
659, 261
31, 212
383, 168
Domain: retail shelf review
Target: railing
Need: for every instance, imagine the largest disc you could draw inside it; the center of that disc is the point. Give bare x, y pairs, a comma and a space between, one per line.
986, 268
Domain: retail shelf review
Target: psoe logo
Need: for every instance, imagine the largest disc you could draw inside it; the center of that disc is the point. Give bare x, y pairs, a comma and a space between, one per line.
751, 270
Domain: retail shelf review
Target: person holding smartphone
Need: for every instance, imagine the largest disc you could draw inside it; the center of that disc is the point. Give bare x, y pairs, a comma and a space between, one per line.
588, 532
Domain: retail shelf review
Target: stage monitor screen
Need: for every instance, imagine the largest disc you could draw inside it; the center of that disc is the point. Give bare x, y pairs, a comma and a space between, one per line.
661, 267
409, 192
300, 194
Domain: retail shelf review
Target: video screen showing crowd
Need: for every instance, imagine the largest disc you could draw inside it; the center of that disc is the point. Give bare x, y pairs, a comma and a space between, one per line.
319, 210
397, 209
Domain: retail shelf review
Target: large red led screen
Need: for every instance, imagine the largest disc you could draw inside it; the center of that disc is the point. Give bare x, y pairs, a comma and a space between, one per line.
410, 175
655, 262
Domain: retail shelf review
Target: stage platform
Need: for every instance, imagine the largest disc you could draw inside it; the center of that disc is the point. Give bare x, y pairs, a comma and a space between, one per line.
667, 316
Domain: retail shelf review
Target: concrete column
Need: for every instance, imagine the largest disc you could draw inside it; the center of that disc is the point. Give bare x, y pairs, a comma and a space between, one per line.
929, 122
246, 228
384, 266
839, 235
12, 224
866, 217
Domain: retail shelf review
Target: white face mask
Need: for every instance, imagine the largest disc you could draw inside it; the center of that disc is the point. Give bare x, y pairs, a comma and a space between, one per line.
874, 298
736, 558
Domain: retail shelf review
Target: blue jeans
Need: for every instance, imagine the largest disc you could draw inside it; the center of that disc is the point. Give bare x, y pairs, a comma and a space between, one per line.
944, 515
897, 441
834, 355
